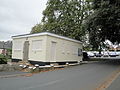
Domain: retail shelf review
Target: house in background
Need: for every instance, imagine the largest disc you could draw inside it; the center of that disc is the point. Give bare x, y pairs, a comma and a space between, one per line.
117, 48
46, 48
4, 46
3, 51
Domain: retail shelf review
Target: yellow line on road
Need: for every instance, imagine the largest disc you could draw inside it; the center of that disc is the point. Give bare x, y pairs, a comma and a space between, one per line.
109, 80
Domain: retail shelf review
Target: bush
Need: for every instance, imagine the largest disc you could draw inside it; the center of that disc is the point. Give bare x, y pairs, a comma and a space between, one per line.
3, 59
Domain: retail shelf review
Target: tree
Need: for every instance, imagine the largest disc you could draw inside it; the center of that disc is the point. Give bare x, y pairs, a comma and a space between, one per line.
65, 17
104, 23
37, 28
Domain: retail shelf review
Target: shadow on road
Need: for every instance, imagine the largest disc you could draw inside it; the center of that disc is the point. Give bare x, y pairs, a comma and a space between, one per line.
109, 62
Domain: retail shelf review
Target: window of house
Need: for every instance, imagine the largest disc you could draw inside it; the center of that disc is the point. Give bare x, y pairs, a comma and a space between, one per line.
37, 45
79, 52
17, 45
74, 50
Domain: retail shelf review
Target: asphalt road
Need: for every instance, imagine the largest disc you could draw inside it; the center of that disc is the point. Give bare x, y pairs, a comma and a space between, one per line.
82, 77
115, 85
5, 73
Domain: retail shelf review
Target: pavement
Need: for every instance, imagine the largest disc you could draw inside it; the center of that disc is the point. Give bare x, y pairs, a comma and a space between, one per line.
82, 77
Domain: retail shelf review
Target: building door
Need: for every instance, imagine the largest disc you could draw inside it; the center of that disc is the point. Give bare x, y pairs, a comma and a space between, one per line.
26, 50
53, 51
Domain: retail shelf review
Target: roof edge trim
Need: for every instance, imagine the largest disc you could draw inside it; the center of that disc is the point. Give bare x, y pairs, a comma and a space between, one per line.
45, 33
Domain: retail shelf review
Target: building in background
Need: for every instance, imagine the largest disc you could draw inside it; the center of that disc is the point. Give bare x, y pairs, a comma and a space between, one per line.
4, 46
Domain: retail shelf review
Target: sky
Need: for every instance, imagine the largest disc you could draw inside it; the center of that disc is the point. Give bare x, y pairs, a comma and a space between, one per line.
19, 16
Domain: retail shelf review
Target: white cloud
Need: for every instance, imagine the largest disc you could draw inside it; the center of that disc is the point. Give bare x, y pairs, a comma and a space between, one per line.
19, 16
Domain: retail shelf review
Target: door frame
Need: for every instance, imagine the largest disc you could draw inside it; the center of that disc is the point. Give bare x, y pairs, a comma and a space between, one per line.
26, 51
53, 51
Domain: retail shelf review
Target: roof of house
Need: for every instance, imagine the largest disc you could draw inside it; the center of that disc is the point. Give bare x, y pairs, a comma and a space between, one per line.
6, 45
45, 33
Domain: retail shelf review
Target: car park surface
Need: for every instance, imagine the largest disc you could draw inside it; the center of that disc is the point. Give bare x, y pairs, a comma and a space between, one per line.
81, 77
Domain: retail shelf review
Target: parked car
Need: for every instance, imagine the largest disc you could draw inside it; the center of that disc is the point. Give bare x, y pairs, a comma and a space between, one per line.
98, 55
112, 54
118, 53
90, 54
105, 54
85, 56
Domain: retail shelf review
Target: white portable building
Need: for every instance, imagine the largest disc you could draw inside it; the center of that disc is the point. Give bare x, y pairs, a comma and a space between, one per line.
45, 48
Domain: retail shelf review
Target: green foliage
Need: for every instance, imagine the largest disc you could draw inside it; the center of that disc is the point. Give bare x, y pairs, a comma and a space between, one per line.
37, 28
65, 17
104, 23
9, 53
3, 59
1, 56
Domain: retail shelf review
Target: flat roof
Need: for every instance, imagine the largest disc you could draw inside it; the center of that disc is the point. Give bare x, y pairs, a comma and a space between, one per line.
45, 33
